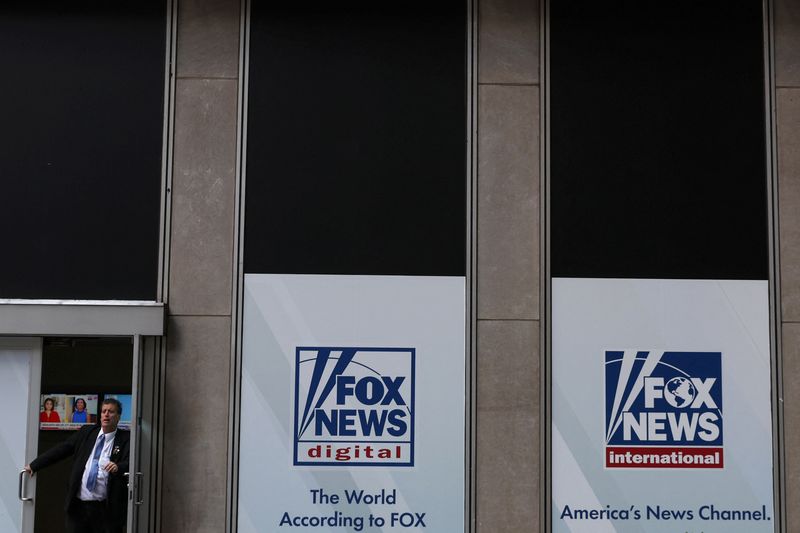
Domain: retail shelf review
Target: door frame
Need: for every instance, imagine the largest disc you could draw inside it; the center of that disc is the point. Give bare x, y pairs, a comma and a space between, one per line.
29, 321
135, 474
28, 484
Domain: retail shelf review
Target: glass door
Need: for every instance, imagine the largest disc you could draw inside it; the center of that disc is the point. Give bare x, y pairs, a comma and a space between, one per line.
20, 372
78, 374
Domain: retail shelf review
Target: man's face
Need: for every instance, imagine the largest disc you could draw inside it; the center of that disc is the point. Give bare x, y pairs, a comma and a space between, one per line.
109, 417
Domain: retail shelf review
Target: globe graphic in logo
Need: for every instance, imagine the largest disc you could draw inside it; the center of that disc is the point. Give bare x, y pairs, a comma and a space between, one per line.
679, 392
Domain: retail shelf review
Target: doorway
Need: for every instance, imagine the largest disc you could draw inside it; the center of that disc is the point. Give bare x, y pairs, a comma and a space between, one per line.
49, 388
78, 373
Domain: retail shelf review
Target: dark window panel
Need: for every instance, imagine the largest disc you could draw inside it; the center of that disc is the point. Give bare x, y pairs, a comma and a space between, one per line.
658, 140
356, 139
80, 148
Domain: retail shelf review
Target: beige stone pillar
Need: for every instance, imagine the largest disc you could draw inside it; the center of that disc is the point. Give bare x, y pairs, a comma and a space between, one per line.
787, 76
195, 453
508, 267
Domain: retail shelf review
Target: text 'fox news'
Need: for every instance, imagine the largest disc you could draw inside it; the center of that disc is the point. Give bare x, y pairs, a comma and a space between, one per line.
354, 406
663, 409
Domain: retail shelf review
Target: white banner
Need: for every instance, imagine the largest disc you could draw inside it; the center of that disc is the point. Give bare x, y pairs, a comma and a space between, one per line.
661, 412
353, 403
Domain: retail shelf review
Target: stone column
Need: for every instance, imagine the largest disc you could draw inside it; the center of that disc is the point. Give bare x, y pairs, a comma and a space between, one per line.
787, 74
508, 267
195, 454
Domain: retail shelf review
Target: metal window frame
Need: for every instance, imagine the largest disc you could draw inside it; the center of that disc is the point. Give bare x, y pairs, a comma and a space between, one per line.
237, 304
545, 339
773, 227
471, 342
157, 346
20, 316
43, 317
470, 355
776, 366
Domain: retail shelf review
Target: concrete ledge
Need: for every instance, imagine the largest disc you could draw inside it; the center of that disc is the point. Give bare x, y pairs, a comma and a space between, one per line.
81, 317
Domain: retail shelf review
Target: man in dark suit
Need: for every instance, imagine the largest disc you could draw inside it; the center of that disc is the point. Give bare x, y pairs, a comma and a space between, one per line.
97, 493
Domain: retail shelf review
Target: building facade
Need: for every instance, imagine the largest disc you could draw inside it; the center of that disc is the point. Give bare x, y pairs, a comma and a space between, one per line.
189, 377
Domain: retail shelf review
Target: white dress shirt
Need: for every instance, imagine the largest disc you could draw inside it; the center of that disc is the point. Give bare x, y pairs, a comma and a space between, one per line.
100, 491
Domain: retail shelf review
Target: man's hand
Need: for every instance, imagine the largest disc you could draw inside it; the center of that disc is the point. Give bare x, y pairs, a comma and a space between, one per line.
111, 468
28, 470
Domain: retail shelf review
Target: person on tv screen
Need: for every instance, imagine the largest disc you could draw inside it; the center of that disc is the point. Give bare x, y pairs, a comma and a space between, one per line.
48, 414
79, 415
97, 491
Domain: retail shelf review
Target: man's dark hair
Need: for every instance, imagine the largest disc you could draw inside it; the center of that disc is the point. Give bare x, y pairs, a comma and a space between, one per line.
116, 403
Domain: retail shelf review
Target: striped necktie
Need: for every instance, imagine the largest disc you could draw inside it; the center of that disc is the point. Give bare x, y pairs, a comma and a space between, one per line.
98, 449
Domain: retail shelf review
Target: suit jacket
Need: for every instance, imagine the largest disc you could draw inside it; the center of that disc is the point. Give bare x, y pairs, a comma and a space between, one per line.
80, 445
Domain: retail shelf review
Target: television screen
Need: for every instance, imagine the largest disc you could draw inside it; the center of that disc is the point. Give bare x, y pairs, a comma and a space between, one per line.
125, 400
67, 411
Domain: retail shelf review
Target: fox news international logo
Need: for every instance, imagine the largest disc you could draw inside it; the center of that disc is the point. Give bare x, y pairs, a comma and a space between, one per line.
354, 406
663, 409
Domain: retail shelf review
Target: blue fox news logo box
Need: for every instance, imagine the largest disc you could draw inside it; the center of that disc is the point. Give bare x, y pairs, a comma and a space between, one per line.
663, 409
354, 406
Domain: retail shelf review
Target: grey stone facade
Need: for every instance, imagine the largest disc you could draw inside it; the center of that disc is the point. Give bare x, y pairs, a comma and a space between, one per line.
201, 268
200, 291
508, 179
787, 113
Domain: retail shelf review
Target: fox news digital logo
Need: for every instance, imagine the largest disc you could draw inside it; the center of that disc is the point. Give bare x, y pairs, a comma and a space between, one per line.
354, 406
663, 409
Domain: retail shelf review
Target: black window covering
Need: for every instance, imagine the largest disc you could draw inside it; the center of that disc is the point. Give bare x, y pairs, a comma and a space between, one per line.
81, 148
658, 159
356, 139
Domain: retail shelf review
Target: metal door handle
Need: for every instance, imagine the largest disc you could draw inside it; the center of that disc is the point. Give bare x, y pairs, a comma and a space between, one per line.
138, 488
137, 484
22, 486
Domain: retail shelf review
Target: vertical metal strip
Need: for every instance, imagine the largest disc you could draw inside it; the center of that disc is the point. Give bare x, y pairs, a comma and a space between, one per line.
134, 437
34, 344
167, 156
545, 342
167, 136
32, 438
778, 452
237, 305
148, 441
472, 268
157, 463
